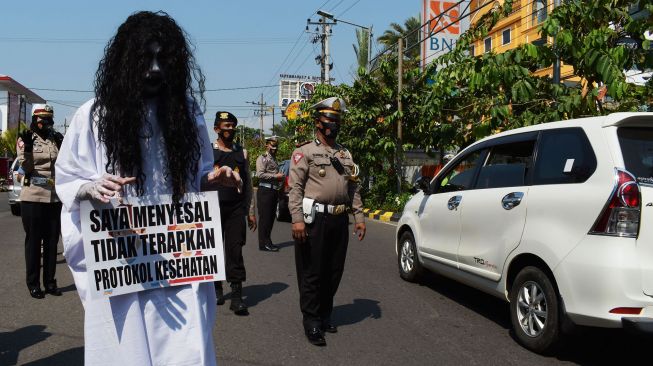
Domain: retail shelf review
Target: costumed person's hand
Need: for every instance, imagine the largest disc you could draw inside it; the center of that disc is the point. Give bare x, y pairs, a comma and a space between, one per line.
27, 137
226, 177
359, 230
105, 188
299, 231
251, 222
279, 176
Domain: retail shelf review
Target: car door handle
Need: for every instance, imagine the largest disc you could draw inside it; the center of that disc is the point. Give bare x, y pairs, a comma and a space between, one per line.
512, 200
454, 202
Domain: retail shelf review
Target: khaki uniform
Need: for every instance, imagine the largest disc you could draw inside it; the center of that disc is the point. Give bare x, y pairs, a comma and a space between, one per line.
267, 197
267, 169
313, 176
320, 260
40, 210
39, 167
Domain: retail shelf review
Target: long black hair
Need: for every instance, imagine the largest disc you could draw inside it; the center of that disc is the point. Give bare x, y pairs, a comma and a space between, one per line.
120, 103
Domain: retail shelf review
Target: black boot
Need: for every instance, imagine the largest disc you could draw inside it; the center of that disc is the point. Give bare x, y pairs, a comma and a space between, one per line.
237, 304
219, 293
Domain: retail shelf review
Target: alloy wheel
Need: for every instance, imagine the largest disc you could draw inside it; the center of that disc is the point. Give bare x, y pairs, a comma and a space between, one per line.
531, 309
407, 257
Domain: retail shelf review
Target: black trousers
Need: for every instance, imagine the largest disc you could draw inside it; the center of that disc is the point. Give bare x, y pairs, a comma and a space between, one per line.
234, 232
266, 199
42, 224
320, 262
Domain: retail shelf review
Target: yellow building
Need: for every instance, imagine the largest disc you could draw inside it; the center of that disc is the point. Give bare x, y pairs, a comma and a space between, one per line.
520, 27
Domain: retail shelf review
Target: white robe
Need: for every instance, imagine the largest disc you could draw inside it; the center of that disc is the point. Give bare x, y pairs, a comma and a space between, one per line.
171, 326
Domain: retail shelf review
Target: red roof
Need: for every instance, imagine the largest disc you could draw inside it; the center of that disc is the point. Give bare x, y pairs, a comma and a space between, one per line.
11, 85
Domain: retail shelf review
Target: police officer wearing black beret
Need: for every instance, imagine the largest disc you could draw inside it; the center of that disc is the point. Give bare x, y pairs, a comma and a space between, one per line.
235, 206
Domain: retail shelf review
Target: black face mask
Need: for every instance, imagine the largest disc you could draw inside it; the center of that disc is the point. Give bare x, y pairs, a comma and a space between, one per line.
332, 126
228, 138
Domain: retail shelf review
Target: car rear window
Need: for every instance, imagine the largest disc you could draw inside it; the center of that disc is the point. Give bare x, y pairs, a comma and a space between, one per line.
564, 156
637, 150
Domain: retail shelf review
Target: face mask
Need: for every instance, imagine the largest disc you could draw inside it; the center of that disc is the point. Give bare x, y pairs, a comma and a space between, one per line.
227, 135
332, 126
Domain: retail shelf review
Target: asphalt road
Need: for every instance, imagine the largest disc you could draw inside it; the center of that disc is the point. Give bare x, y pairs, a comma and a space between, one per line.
382, 320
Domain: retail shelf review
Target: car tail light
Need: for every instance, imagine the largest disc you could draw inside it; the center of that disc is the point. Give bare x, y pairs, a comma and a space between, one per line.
620, 217
626, 311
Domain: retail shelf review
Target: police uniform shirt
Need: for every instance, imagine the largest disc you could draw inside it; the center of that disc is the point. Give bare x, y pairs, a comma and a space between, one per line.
267, 169
39, 167
236, 159
312, 175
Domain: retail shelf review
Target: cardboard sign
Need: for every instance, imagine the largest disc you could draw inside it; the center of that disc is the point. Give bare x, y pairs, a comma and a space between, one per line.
145, 243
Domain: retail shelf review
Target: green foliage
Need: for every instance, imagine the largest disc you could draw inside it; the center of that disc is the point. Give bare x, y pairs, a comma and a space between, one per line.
8, 140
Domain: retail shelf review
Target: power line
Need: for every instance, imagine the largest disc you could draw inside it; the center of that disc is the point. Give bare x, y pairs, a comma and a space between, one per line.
346, 10
208, 90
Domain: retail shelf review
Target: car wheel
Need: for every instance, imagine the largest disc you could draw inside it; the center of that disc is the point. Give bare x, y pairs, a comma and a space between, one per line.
535, 310
410, 268
15, 209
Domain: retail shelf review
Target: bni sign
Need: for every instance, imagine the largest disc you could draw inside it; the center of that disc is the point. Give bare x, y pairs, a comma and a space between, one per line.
445, 25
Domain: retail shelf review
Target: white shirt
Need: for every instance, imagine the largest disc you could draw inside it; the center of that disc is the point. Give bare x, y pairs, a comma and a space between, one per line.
170, 326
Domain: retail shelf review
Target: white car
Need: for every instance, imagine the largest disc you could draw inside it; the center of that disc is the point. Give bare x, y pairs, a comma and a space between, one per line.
552, 218
15, 186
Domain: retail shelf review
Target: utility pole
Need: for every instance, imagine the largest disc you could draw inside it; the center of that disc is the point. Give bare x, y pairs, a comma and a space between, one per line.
556, 63
369, 50
261, 104
400, 77
325, 57
262, 112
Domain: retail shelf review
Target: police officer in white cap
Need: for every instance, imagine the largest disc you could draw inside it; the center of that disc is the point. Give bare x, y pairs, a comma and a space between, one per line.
270, 181
40, 207
324, 186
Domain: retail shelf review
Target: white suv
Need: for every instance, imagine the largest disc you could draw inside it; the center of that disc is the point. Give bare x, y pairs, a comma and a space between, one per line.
551, 218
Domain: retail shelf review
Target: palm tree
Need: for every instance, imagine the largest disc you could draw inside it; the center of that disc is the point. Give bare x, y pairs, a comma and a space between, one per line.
410, 31
362, 47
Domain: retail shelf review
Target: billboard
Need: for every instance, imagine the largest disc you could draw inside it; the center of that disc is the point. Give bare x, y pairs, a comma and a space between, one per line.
447, 20
296, 88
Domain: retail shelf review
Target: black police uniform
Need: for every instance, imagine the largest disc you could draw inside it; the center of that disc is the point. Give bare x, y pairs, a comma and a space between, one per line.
233, 212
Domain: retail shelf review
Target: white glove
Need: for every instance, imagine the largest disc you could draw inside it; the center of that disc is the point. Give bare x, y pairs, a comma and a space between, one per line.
103, 189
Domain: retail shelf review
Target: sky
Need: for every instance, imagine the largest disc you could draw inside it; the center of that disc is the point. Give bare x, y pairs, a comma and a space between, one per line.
58, 44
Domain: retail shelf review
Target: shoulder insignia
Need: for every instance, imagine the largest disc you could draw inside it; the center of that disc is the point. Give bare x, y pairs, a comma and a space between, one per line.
302, 143
297, 156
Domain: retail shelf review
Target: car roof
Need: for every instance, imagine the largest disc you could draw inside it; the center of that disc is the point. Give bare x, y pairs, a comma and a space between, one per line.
614, 119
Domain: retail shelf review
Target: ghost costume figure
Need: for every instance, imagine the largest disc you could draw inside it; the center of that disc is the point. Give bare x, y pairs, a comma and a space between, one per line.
140, 136
155, 327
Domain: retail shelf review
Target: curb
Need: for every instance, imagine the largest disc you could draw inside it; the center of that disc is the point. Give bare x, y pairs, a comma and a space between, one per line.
386, 216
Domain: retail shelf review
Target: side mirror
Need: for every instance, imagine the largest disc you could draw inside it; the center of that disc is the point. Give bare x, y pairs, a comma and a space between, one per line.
423, 184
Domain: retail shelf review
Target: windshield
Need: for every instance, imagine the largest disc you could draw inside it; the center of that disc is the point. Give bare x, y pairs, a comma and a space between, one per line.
637, 149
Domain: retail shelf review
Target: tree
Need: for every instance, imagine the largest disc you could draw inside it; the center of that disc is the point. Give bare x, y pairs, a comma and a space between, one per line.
362, 48
8, 140
409, 31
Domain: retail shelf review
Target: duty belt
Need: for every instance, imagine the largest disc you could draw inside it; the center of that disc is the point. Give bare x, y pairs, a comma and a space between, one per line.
269, 185
331, 209
42, 181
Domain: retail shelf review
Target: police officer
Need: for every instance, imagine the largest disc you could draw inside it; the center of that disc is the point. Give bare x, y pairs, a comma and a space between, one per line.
40, 207
324, 183
235, 205
267, 170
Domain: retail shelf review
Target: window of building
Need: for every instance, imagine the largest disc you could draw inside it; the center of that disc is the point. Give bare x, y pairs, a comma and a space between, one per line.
506, 36
564, 156
472, 50
488, 45
539, 11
